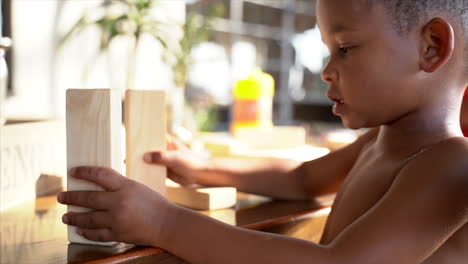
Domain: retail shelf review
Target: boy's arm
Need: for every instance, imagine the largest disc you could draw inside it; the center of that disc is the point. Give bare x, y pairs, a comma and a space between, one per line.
426, 204
272, 177
289, 180
423, 208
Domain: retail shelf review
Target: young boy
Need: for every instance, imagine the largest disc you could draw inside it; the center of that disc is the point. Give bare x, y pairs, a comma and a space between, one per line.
397, 66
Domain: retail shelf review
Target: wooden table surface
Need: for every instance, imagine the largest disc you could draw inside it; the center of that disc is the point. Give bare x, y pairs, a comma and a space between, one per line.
33, 232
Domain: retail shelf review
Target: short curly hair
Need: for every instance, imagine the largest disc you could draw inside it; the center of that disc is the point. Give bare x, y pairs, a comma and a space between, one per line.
406, 14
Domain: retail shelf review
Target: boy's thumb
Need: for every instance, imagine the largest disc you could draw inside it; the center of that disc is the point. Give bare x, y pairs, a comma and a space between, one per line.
153, 157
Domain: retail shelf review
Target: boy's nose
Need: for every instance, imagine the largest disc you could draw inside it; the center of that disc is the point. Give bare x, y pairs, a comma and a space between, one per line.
329, 74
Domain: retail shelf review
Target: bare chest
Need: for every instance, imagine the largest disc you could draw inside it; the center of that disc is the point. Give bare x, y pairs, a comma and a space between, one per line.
453, 251
365, 185
361, 192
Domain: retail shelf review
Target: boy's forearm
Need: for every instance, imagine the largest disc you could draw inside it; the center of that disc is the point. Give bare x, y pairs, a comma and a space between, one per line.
271, 177
200, 239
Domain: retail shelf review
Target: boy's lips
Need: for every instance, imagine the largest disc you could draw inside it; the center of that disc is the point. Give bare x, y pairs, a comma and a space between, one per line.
338, 100
335, 98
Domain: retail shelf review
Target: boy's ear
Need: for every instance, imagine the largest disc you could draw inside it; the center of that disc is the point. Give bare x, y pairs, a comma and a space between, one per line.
438, 43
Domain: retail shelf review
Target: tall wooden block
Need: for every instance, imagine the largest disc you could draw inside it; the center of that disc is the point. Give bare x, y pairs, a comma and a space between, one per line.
145, 123
94, 123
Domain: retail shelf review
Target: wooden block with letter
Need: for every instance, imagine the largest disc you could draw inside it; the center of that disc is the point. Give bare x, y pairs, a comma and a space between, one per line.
145, 123
93, 139
29, 148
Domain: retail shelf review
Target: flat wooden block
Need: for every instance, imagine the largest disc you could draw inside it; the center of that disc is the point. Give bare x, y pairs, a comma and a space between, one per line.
145, 123
302, 153
221, 144
93, 139
272, 138
202, 198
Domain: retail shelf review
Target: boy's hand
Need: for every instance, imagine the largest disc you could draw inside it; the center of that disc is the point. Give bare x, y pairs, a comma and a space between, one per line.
126, 211
183, 166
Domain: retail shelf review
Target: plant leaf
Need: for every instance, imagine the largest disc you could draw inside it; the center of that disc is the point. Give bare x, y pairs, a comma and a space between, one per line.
76, 29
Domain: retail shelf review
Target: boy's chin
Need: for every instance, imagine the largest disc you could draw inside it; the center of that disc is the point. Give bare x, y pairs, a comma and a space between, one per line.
352, 124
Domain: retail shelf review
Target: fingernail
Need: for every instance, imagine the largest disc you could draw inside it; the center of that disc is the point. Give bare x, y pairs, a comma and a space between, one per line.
147, 157
71, 172
65, 219
152, 156
60, 197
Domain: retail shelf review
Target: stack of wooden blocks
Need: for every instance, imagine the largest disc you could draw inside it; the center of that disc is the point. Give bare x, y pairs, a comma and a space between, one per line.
93, 139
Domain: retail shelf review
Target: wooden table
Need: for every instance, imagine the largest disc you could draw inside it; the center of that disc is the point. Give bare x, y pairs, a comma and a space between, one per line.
33, 232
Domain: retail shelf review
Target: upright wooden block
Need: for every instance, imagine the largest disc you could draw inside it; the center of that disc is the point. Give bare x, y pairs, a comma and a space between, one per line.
145, 123
93, 139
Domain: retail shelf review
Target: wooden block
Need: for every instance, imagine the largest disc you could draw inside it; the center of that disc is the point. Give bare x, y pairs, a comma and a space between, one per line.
272, 138
221, 144
93, 139
227, 215
201, 198
29, 148
48, 184
301, 154
145, 123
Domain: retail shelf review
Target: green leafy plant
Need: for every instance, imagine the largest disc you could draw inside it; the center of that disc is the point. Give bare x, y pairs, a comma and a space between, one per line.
196, 30
117, 18
133, 19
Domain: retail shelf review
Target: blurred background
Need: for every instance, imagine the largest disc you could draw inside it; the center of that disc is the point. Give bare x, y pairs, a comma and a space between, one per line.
194, 49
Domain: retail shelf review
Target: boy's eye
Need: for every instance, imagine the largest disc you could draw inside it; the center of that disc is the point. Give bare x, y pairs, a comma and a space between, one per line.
345, 50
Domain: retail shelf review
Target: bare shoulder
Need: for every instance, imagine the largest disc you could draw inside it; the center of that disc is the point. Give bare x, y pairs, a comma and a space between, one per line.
450, 154
455, 143
424, 207
442, 169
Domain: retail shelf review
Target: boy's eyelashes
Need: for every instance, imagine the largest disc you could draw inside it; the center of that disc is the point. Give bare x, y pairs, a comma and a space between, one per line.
343, 49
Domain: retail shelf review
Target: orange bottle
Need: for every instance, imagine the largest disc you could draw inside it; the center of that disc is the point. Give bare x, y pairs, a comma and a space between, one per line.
253, 102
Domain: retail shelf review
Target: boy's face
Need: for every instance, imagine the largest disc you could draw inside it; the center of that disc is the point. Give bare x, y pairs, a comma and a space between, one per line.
372, 69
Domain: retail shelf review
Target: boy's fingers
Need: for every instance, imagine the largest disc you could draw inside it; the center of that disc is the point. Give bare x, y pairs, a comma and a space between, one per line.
89, 199
101, 235
174, 177
91, 220
105, 177
151, 157
177, 178
156, 157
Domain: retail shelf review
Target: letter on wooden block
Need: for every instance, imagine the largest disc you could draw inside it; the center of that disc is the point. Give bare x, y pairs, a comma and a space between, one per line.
94, 123
145, 123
